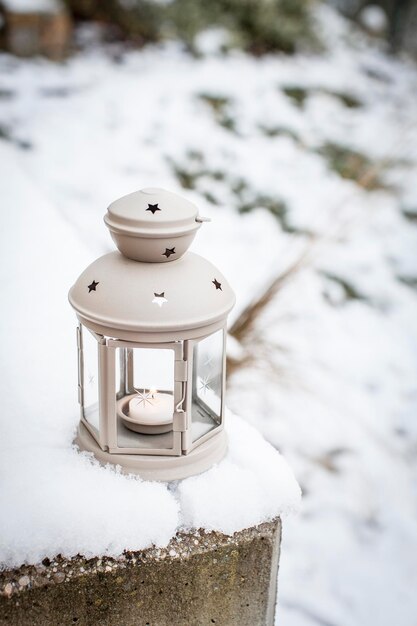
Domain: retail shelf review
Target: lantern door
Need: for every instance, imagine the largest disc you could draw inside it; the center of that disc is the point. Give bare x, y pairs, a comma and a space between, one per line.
205, 398
144, 396
89, 381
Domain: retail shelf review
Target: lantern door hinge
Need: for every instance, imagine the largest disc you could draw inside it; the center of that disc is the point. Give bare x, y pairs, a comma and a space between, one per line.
181, 371
187, 441
179, 422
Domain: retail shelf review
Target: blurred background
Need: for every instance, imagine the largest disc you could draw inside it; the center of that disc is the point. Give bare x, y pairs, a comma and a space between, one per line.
293, 125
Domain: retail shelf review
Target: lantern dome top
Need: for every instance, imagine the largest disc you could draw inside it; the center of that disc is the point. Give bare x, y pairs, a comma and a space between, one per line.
119, 297
153, 225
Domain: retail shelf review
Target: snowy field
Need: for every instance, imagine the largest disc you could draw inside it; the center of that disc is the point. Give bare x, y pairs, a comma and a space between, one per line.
307, 166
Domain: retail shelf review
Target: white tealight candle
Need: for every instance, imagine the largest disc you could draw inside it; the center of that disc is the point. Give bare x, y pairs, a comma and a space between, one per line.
152, 408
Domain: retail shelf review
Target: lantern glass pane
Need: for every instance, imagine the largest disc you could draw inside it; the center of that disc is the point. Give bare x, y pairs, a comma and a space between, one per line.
206, 409
90, 381
145, 398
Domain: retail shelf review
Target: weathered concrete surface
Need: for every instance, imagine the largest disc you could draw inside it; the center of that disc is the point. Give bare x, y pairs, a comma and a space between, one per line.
200, 578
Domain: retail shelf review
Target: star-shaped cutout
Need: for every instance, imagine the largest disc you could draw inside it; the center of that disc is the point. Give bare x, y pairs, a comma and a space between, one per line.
159, 298
168, 252
153, 208
93, 286
217, 284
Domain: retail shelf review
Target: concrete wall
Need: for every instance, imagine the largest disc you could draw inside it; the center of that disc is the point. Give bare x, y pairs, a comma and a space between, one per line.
200, 578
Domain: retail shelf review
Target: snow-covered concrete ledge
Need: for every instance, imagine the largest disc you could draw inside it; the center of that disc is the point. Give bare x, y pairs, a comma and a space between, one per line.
66, 519
58, 501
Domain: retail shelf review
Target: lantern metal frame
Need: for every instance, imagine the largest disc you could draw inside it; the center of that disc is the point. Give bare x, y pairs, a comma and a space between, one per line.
184, 371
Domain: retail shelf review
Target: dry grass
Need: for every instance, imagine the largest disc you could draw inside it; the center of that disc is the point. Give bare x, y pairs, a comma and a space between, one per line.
244, 328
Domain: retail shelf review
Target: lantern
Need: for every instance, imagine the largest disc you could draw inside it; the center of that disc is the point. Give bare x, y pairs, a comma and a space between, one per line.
151, 343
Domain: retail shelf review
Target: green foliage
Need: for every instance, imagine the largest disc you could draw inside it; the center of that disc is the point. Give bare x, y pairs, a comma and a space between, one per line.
279, 131
258, 26
245, 198
410, 281
276, 206
351, 164
410, 214
220, 107
348, 100
138, 20
349, 290
217, 103
299, 95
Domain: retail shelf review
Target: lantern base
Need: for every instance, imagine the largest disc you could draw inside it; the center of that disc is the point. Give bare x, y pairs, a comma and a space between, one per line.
161, 468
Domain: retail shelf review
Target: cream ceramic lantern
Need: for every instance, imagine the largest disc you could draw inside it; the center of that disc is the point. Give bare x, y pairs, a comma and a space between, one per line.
151, 343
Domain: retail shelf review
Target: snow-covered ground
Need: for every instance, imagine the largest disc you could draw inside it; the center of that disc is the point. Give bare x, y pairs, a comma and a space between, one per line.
329, 368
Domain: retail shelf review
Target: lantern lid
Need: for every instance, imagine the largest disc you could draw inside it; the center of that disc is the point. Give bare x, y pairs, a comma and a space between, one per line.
117, 296
152, 212
157, 214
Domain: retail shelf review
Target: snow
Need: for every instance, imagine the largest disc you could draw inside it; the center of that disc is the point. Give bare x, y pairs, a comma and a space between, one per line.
247, 488
328, 370
374, 18
58, 501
